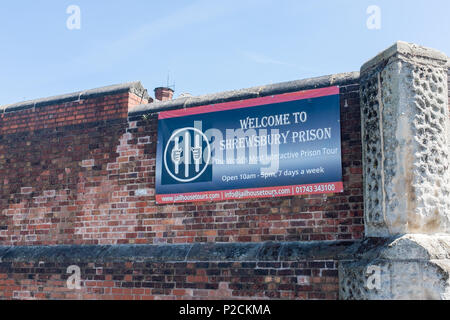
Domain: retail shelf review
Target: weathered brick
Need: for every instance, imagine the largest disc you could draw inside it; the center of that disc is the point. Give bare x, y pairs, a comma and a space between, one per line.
87, 177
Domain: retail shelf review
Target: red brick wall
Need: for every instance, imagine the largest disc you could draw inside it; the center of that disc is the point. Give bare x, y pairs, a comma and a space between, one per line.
81, 173
52, 159
307, 218
65, 114
180, 280
77, 184
269, 271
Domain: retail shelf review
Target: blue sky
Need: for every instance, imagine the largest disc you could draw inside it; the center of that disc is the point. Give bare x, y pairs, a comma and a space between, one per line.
206, 46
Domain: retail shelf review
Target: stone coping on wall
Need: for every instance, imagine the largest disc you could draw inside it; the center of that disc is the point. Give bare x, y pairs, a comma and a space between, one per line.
254, 92
402, 247
133, 87
221, 252
409, 51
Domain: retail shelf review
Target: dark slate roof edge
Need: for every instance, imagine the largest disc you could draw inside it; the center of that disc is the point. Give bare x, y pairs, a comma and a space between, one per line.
267, 251
255, 92
134, 87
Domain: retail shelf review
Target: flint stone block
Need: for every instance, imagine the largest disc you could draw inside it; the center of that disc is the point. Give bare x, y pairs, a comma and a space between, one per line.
409, 267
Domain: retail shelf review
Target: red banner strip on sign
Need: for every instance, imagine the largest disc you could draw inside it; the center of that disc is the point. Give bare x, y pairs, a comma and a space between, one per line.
308, 94
240, 194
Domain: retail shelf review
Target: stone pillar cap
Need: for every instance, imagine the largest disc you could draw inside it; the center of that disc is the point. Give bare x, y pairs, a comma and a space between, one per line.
409, 50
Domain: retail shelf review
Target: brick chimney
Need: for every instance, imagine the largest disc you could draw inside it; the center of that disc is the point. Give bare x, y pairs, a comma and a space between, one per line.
163, 94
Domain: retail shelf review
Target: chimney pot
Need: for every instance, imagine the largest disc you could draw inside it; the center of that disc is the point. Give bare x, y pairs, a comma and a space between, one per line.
163, 94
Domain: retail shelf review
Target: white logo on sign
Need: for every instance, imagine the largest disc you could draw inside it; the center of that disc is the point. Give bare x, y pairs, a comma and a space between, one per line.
183, 151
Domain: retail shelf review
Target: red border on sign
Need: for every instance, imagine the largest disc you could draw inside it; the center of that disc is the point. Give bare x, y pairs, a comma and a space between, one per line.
300, 95
223, 195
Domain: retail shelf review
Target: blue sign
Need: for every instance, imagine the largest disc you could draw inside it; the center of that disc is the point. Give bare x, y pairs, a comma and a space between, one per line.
283, 145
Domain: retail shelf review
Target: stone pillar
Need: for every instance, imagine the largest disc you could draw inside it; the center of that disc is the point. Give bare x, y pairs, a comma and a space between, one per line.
405, 136
405, 130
